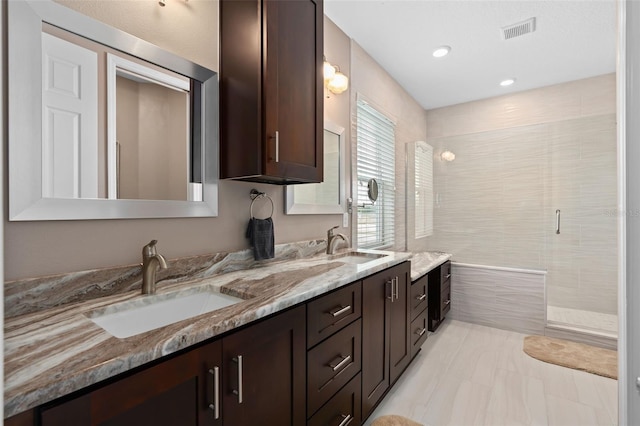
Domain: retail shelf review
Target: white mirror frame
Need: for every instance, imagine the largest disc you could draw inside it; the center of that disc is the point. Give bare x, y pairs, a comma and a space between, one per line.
293, 207
25, 19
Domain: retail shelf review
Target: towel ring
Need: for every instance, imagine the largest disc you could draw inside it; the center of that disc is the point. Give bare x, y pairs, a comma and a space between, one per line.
255, 194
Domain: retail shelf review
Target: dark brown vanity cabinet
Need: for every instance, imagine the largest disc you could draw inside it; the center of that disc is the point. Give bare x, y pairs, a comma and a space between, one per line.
251, 375
177, 391
439, 294
271, 90
334, 357
419, 301
385, 332
264, 372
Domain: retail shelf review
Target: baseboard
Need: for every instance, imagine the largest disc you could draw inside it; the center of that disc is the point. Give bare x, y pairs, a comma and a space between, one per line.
582, 335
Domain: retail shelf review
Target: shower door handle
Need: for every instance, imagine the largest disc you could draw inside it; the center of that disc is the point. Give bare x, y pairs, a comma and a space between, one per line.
558, 221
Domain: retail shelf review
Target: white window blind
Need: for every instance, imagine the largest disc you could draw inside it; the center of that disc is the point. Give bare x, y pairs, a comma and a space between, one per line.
424, 190
375, 159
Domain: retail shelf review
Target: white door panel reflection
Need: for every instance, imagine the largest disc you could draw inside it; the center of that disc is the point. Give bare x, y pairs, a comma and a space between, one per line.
69, 120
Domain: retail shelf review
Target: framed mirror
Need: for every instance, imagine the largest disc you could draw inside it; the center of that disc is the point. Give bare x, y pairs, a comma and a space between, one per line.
103, 125
329, 196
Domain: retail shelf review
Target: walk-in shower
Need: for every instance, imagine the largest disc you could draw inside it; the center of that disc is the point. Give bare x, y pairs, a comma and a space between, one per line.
537, 197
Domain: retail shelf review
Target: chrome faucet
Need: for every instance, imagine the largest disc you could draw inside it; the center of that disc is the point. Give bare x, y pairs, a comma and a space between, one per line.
333, 240
151, 262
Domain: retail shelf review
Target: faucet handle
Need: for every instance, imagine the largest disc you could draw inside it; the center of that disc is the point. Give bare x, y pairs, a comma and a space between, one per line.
150, 249
330, 231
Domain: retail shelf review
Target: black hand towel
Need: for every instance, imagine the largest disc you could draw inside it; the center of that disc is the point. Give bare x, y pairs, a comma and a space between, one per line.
260, 235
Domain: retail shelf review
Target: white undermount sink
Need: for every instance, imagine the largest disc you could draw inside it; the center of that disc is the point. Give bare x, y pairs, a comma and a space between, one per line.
357, 257
150, 312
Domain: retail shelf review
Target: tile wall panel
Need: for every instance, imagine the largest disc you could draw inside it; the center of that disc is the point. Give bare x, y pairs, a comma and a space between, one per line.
507, 299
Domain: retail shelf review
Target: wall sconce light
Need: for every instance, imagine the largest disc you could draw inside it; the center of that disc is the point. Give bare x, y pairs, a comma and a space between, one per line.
334, 80
448, 156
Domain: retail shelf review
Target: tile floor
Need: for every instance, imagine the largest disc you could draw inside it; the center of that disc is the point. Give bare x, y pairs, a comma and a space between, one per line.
469, 374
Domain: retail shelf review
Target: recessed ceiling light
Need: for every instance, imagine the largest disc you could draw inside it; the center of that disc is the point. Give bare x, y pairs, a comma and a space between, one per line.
507, 82
441, 51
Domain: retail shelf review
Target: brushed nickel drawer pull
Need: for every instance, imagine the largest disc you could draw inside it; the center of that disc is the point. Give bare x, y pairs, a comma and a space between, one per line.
421, 297
215, 405
447, 277
345, 420
339, 365
397, 280
238, 392
421, 332
277, 146
339, 311
447, 302
390, 286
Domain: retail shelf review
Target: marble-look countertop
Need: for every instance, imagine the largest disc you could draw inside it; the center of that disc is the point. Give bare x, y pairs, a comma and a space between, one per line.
423, 262
56, 351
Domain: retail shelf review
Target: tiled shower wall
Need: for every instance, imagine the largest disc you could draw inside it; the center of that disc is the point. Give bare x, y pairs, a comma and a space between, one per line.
496, 203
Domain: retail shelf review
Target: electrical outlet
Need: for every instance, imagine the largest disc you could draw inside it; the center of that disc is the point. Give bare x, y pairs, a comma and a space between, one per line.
345, 220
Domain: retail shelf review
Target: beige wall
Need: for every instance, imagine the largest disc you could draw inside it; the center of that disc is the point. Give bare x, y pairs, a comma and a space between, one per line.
188, 29
372, 82
519, 158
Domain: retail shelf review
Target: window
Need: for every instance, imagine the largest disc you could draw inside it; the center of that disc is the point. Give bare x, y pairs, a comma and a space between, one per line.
375, 159
424, 190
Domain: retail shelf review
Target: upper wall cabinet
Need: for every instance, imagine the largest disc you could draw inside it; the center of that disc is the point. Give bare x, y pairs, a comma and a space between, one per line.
271, 97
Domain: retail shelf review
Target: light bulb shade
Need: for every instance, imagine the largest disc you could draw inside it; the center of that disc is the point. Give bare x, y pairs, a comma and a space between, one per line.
328, 70
338, 84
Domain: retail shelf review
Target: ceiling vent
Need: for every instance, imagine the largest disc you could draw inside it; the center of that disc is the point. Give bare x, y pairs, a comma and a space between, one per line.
519, 29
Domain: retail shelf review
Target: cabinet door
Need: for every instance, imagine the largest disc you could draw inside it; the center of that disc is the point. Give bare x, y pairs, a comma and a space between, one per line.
293, 89
264, 372
175, 392
399, 307
376, 291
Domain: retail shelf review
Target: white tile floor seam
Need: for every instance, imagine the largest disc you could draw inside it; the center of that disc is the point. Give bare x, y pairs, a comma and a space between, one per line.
468, 374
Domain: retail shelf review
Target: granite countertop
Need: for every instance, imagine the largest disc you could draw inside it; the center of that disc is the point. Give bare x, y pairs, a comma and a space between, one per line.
56, 351
423, 262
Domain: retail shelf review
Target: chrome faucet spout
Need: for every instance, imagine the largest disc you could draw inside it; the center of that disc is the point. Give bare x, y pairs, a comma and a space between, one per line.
151, 262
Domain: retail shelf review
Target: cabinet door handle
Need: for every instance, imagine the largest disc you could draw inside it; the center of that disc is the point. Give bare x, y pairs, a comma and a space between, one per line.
345, 420
389, 285
421, 332
447, 302
421, 297
238, 360
447, 277
397, 288
339, 311
215, 405
340, 364
277, 146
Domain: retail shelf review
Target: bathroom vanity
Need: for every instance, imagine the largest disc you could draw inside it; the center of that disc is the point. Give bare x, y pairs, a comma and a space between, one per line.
302, 346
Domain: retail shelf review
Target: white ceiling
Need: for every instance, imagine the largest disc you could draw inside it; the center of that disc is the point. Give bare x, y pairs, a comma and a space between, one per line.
573, 40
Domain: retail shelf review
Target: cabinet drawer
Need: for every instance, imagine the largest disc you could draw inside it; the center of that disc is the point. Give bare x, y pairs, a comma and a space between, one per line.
343, 409
445, 299
419, 296
332, 312
445, 271
419, 332
331, 364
